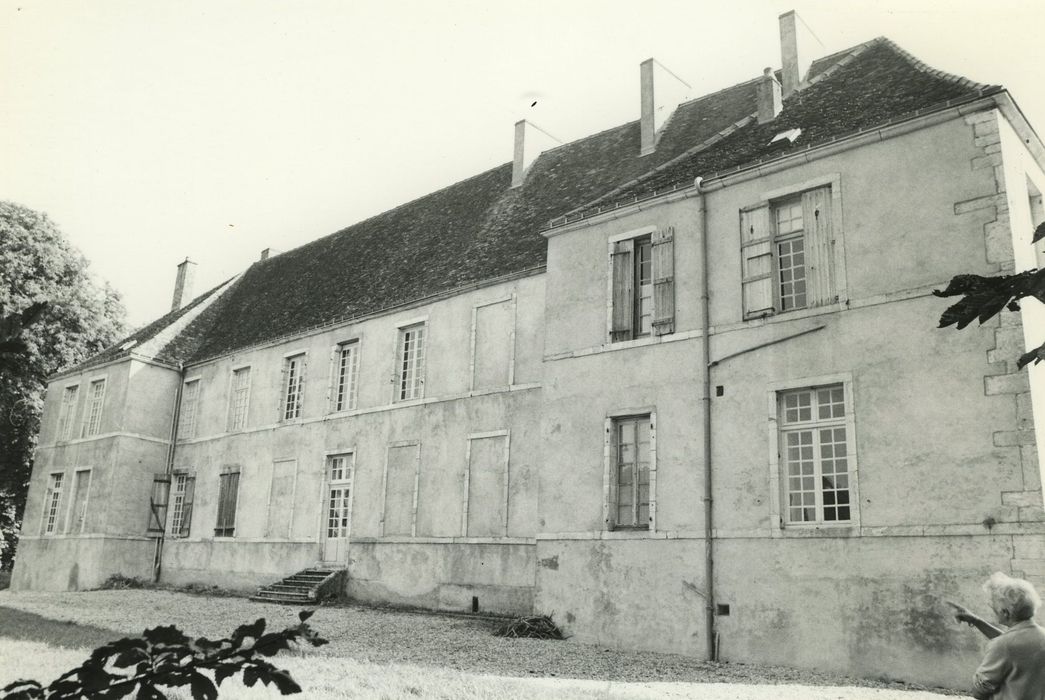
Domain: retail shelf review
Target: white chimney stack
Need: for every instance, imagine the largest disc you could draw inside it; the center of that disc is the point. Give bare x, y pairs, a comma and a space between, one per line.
769, 99
183, 284
269, 252
792, 53
530, 141
647, 127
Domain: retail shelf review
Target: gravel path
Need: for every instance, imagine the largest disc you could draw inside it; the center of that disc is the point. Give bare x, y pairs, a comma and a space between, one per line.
428, 640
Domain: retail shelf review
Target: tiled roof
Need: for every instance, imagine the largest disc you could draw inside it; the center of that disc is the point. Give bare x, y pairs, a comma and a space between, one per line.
481, 229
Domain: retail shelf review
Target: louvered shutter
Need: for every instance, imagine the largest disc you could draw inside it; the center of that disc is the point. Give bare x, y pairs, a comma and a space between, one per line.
161, 486
756, 252
819, 244
623, 290
186, 505
663, 250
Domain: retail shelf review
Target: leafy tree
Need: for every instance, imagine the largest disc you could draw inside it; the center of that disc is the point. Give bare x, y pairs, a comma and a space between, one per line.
80, 318
163, 657
984, 297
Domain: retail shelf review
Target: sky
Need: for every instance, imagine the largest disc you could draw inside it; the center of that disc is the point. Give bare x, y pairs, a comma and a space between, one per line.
154, 131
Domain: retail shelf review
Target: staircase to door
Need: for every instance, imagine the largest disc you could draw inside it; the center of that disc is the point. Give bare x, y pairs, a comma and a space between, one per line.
307, 587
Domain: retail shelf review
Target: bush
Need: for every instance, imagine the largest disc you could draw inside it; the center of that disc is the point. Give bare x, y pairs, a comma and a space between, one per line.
163, 657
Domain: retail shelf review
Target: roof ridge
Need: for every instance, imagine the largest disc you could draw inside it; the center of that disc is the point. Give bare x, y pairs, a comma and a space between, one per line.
924, 67
851, 54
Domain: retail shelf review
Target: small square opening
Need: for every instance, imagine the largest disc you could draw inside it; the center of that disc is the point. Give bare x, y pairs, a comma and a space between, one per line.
722, 609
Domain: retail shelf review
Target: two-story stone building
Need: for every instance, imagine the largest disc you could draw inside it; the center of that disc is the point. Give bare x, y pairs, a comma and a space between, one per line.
679, 388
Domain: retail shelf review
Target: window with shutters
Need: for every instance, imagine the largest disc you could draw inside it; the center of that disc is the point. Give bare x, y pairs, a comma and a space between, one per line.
788, 254
293, 386
190, 402
630, 472
92, 412
52, 503
239, 399
410, 364
158, 501
228, 494
642, 285
66, 412
816, 459
183, 489
346, 370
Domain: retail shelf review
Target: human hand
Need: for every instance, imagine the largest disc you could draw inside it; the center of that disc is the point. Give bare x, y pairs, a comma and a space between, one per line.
962, 614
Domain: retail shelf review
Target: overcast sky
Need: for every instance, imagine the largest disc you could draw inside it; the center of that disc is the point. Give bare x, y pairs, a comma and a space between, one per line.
151, 131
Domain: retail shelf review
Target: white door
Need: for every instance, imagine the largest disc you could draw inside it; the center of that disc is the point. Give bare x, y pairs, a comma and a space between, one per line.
337, 509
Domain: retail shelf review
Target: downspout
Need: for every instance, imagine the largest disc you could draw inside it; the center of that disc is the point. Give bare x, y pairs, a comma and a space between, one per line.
157, 561
705, 398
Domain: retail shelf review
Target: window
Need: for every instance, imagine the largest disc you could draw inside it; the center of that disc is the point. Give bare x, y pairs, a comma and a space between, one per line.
411, 363
81, 490
158, 502
787, 248
228, 493
92, 418
642, 272
630, 467
814, 455
182, 491
190, 399
52, 503
339, 504
239, 399
65, 413
346, 369
293, 386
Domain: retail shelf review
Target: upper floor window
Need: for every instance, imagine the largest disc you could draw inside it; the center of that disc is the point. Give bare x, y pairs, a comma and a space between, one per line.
630, 472
66, 412
92, 414
293, 386
239, 399
52, 503
346, 370
787, 248
190, 400
410, 368
815, 455
642, 270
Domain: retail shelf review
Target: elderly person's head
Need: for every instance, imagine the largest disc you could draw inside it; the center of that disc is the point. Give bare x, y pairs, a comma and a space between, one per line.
1013, 599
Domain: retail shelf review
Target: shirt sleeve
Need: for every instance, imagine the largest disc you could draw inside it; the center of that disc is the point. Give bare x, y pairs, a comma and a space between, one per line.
993, 670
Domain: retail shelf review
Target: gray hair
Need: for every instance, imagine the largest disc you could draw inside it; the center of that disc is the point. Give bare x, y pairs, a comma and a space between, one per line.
1013, 596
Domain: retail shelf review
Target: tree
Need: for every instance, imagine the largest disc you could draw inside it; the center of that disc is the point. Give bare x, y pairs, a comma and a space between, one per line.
80, 318
984, 297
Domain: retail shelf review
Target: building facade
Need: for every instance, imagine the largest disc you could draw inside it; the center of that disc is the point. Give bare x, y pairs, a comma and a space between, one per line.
678, 388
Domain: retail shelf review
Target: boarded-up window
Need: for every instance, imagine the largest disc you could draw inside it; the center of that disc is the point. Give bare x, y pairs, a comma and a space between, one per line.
66, 413
183, 490
494, 338
78, 510
487, 486
228, 494
281, 498
643, 285
401, 477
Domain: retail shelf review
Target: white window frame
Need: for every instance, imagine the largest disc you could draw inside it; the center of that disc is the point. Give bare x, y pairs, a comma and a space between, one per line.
51, 516
329, 482
232, 425
609, 475
778, 487
344, 381
92, 418
71, 516
610, 242
284, 394
188, 413
176, 502
67, 412
420, 365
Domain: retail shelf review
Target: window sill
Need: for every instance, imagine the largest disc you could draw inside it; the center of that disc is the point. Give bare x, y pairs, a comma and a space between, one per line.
780, 316
847, 530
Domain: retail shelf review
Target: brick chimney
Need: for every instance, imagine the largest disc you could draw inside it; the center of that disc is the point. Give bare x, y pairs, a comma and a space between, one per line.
792, 53
769, 99
183, 284
647, 127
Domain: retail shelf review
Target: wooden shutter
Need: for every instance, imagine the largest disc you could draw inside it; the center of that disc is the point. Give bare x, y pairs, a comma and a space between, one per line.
756, 252
186, 505
623, 290
663, 250
819, 244
161, 486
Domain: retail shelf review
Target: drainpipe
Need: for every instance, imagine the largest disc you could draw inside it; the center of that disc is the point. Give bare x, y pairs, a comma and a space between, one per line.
157, 561
705, 398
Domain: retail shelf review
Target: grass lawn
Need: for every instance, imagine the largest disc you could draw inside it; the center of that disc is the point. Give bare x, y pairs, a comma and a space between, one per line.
388, 654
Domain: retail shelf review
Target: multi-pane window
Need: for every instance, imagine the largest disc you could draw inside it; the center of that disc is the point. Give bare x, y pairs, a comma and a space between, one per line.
190, 401
182, 491
66, 412
52, 503
410, 363
346, 370
293, 386
814, 454
92, 415
81, 488
239, 399
642, 283
339, 502
787, 250
630, 472
228, 494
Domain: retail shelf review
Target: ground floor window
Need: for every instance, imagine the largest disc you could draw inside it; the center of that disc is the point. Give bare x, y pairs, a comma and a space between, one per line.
228, 494
52, 503
630, 467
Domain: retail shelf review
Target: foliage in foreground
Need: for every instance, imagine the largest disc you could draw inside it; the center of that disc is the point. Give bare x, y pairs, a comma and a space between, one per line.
984, 297
164, 657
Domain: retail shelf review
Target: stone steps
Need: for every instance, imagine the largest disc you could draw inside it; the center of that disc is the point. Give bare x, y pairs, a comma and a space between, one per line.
302, 588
